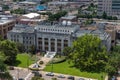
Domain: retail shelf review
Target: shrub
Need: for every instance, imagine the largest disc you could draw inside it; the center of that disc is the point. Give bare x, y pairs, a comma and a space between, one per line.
41, 62
34, 69
54, 78
58, 60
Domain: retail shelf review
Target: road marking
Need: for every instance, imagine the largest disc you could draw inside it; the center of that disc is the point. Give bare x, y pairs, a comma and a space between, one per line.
28, 76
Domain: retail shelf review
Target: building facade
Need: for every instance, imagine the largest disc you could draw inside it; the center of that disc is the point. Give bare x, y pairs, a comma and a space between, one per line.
5, 26
111, 7
54, 37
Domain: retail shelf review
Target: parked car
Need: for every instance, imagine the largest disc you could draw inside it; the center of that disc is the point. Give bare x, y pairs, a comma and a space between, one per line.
20, 79
71, 78
50, 74
37, 74
81, 79
61, 76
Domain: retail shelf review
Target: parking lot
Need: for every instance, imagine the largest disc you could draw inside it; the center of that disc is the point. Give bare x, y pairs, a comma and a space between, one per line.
19, 73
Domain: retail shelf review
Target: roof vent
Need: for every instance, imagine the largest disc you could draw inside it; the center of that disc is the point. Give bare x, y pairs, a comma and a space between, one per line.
69, 23
64, 22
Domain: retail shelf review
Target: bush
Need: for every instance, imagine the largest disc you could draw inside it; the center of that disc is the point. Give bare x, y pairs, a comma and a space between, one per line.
54, 78
41, 62
37, 78
34, 69
58, 60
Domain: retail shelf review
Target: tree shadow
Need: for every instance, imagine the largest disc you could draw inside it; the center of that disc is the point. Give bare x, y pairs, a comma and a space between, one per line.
17, 62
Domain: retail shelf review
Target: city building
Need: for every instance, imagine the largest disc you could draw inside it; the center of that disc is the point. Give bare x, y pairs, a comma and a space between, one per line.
56, 6
5, 26
54, 36
31, 19
111, 7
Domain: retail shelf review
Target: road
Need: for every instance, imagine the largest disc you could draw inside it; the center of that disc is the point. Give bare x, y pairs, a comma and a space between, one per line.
55, 76
27, 75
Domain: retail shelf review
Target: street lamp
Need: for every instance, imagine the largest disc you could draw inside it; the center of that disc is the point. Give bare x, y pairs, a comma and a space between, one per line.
52, 66
18, 73
35, 32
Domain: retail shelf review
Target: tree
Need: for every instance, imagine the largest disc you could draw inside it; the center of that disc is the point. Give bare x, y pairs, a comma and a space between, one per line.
10, 51
54, 17
114, 18
32, 49
113, 61
89, 54
5, 7
2, 56
4, 75
20, 47
1, 39
104, 16
67, 50
18, 11
2, 67
37, 78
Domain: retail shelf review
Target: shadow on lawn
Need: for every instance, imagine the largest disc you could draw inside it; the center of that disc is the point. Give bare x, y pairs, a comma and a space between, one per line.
17, 62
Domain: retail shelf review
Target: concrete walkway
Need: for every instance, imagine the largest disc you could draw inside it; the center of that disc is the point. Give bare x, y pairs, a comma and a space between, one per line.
44, 59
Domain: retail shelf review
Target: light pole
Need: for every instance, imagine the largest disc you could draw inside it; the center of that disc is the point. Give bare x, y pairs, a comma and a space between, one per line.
52, 66
18, 73
35, 32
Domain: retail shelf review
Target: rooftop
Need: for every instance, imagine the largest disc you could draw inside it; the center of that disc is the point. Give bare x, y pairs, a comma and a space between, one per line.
27, 2
68, 17
31, 15
20, 28
41, 7
4, 21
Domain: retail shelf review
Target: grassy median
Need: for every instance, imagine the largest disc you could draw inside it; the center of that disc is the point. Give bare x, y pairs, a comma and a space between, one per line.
66, 68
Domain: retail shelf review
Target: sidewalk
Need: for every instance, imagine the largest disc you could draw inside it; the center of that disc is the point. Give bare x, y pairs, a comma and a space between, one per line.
44, 59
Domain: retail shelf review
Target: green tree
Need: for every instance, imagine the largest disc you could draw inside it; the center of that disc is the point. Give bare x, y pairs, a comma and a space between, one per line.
114, 18
20, 47
57, 16
67, 51
113, 61
37, 78
104, 15
5, 7
1, 39
18, 11
10, 50
32, 49
2, 56
54, 79
2, 67
4, 75
89, 54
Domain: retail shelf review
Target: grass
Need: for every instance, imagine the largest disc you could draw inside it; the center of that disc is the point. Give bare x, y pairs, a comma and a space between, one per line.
23, 60
66, 68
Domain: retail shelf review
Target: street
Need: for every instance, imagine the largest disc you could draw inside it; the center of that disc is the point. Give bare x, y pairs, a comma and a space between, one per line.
27, 75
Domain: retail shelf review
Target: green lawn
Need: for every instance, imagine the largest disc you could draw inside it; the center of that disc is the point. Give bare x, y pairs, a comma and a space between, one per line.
23, 60
66, 68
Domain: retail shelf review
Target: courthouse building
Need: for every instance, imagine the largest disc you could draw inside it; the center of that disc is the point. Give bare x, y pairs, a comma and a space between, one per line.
53, 36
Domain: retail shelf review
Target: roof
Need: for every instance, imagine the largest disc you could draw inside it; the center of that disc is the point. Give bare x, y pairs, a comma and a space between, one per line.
68, 17
41, 7
27, 2
31, 15
4, 21
20, 28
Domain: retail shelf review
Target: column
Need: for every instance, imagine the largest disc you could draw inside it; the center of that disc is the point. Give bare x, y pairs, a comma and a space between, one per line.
43, 45
49, 44
62, 44
55, 45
